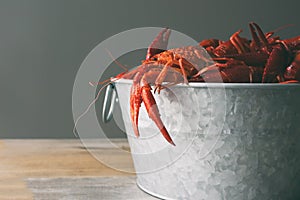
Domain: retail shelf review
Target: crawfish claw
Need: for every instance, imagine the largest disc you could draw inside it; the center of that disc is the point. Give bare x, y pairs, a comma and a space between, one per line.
152, 109
259, 39
135, 103
159, 44
275, 66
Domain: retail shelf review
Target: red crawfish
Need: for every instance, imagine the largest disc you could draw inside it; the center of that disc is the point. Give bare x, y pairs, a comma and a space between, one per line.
173, 66
265, 58
264, 50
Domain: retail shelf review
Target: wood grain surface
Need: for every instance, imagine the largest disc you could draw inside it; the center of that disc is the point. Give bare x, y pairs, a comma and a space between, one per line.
24, 159
83, 188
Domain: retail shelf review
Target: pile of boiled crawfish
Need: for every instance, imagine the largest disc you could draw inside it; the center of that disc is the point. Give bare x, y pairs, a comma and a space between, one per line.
263, 59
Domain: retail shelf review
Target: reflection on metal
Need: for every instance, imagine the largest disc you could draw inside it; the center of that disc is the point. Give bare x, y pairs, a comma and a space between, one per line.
109, 103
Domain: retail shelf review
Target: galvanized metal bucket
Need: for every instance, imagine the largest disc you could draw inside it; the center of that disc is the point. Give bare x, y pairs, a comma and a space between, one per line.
233, 141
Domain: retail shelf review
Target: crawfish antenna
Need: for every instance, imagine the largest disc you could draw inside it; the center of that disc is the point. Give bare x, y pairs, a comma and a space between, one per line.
283, 27
94, 84
115, 60
87, 109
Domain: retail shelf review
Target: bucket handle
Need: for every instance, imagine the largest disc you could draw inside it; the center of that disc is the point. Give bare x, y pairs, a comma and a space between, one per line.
109, 102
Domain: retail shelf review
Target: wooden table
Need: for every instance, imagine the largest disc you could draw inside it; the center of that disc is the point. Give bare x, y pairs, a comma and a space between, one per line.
23, 159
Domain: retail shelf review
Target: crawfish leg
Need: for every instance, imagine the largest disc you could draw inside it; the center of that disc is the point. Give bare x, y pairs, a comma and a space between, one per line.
237, 42
130, 74
161, 77
173, 77
183, 71
152, 108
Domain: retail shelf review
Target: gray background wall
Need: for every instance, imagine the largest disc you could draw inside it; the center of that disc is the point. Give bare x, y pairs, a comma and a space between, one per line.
42, 44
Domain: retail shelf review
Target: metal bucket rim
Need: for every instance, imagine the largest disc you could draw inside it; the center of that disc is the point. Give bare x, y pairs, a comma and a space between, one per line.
227, 85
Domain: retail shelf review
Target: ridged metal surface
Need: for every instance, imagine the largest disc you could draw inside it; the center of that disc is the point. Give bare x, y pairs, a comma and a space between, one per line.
233, 141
